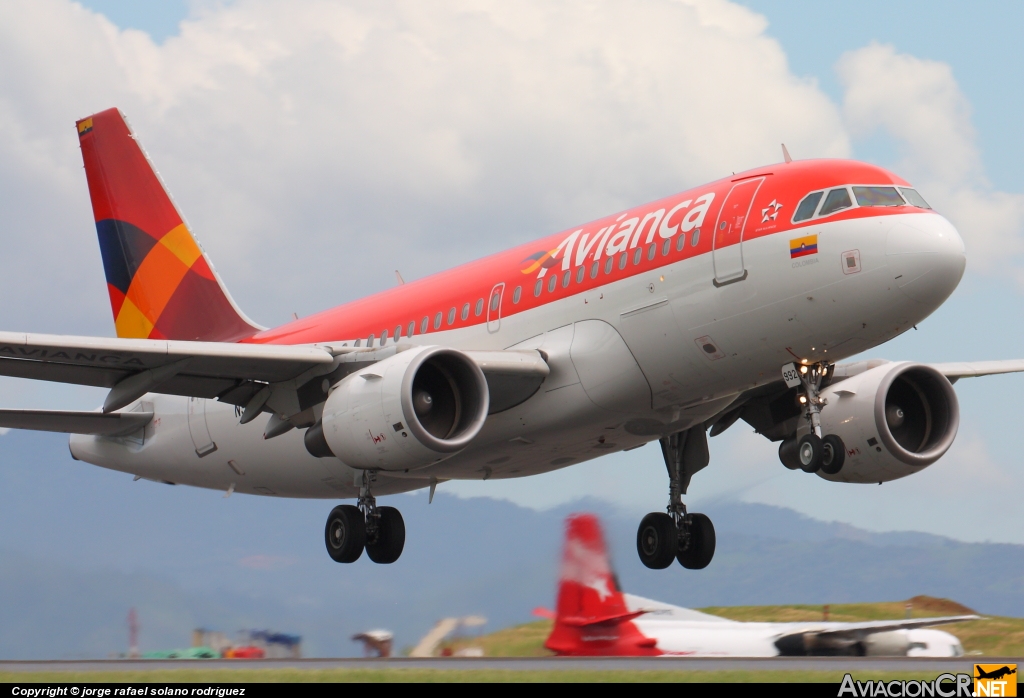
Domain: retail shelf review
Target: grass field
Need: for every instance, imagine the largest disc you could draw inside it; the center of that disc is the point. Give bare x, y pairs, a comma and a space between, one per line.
993, 636
398, 675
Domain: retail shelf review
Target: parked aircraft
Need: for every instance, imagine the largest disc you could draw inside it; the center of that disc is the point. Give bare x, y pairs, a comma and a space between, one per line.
593, 616
730, 301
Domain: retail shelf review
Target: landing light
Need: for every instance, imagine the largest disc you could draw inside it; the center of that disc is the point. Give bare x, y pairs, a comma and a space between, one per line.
803, 400
803, 369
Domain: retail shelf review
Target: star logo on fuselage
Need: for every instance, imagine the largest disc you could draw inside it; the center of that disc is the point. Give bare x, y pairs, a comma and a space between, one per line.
774, 207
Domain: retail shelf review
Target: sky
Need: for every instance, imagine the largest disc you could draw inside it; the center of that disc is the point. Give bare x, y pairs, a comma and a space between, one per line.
316, 147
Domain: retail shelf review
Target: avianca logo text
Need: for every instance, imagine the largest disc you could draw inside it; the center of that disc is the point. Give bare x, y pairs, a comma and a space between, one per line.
623, 234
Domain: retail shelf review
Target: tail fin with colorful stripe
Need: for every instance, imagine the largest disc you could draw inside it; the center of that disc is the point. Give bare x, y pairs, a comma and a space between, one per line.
161, 283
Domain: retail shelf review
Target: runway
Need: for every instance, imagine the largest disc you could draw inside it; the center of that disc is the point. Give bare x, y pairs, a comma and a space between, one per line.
854, 665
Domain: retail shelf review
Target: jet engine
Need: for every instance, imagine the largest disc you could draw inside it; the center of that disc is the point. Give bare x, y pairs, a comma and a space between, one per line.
415, 408
894, 420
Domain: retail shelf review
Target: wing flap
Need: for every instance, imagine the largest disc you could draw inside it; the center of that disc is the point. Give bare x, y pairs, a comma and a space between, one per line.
97, 423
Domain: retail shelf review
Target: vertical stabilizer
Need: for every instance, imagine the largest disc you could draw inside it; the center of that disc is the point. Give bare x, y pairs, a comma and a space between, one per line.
591, 616
160, 282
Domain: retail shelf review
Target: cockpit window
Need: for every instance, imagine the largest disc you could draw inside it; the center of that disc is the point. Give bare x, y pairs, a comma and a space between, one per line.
913, 198
837, 200
806, 208
878, 196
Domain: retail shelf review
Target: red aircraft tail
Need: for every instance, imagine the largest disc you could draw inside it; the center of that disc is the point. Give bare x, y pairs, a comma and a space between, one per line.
160, 282
591, 616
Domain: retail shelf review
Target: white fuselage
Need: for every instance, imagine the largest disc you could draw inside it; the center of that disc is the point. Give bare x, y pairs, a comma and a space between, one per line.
629, 361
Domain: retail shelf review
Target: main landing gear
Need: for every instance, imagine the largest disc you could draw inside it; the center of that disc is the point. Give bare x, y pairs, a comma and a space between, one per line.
812, 451
378, 530
678, 535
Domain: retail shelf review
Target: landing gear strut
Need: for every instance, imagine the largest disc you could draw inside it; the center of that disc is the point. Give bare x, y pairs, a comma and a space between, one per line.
813, 452
378, 530
688, 538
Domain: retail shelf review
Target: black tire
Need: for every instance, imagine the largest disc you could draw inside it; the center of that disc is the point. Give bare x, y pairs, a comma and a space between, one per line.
701, 546
657, 541
345, 533
833, 454
809, 453
390, 537
788, 453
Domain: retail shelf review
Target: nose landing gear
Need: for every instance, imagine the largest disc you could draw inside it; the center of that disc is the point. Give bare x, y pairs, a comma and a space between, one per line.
378, 530
687, 538
811, 452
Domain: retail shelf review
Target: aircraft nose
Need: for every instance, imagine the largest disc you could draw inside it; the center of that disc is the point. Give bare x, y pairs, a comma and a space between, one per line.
926, 256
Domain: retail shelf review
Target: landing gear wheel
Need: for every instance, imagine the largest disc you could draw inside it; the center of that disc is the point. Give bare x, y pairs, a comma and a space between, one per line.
657, 541
833, 454
701, 545
789, 453
809, 453
345, 534
390, 538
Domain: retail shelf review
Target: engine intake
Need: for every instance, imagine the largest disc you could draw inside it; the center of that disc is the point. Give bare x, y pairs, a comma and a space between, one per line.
407, 411
894, 419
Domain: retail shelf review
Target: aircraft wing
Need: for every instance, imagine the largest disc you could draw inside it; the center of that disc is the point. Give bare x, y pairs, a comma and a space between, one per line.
231, 372
98, 423
852, 631
973, 369
198, 369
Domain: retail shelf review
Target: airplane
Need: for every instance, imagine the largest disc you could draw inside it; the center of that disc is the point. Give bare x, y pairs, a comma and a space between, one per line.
666, 322
594, 617
995, 674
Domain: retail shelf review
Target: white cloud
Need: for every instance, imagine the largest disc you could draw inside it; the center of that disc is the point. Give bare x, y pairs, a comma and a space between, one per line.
336, 140
920, 105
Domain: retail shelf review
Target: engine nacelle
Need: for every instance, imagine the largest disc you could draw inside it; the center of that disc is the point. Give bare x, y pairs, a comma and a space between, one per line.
894, 420
415, 408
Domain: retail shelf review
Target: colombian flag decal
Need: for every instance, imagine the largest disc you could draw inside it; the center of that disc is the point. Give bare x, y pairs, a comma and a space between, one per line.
84, 126
801, 247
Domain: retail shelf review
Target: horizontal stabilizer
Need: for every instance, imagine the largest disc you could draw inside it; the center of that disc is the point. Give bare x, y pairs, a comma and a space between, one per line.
96, 423
584, 621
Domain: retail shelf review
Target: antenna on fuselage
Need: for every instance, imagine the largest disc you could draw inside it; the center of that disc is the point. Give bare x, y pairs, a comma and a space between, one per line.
785, 154
398, 276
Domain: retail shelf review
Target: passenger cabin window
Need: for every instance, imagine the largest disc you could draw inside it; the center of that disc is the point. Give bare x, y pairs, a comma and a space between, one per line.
398, 333
552, 281
537, 288
383, 337
412, 328
480, 302
424, 324
437, 320
369, 342
495, 299
465, 311
451, 315
696, 238
837, 200
517, 294
913, 198
878, 196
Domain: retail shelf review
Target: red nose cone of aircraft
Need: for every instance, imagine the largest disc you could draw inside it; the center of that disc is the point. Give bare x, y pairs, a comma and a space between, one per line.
926, 257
